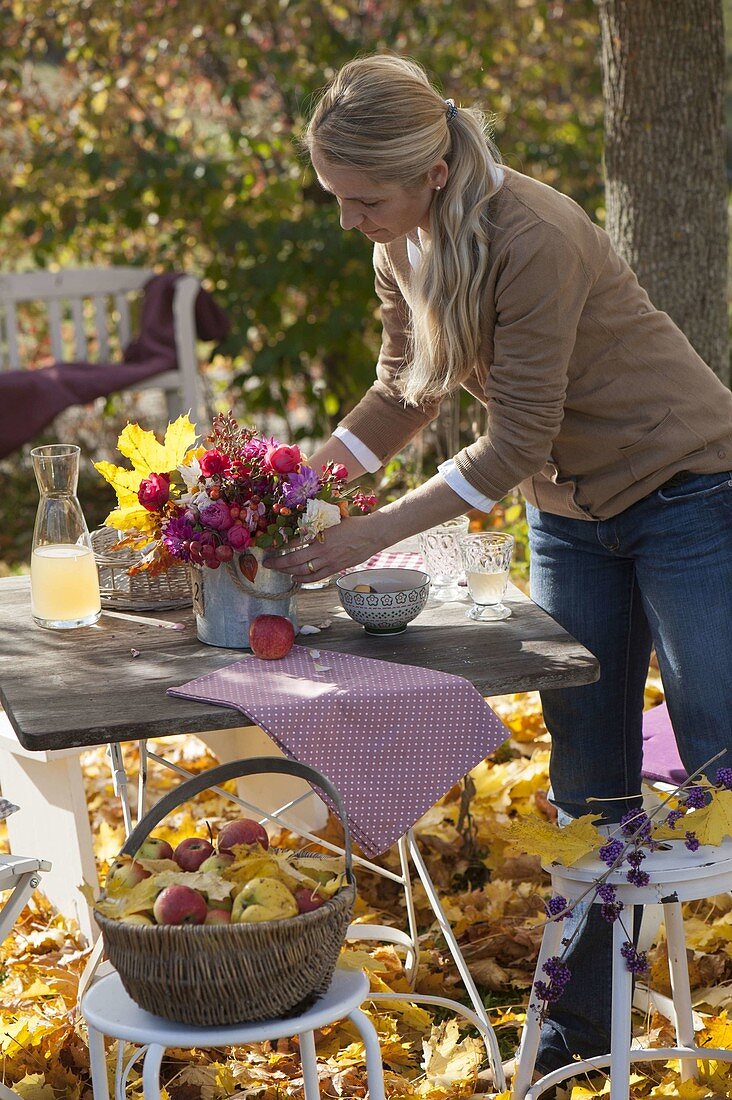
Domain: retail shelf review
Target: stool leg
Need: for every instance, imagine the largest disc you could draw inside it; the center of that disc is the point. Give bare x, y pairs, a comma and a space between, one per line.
151, 1072
526, 1056
622, 995
374, 1064
308, 1058
98, 1063
680, 989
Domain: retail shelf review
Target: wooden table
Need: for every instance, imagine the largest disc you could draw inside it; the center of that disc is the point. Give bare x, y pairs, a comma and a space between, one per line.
66, 690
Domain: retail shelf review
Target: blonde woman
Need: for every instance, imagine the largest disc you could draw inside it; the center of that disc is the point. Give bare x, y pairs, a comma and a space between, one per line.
617, 433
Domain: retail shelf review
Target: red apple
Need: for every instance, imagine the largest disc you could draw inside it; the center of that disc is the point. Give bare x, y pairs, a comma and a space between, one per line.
192, 852
242, 831
123, 874
306, 900
218, 916
271, 637
179, 905
218, 862
154, 848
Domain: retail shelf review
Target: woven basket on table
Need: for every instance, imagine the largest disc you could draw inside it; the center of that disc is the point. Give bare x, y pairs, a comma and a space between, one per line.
141, 592
219, 974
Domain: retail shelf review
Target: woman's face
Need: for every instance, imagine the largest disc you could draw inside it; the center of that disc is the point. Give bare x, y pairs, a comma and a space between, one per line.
381, 211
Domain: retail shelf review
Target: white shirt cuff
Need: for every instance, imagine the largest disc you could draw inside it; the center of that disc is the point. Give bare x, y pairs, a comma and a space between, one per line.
359, 450
449, 471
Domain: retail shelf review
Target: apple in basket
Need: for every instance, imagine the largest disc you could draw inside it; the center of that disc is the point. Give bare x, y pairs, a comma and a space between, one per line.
244, 830
218, 916
307, 900
124, 873
192, 852
179, 905
271, 637
154, 848
218, 862
263, 899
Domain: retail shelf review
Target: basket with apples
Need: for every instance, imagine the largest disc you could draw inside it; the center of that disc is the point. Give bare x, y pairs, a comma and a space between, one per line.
226, 930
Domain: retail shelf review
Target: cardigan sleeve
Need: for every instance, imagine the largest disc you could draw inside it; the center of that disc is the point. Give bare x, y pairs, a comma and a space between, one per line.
381, 420
540, 293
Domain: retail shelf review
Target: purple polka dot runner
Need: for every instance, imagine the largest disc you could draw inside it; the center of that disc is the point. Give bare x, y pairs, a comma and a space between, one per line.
393, 738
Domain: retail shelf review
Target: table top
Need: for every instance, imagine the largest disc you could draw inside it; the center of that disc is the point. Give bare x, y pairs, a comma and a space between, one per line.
108, 682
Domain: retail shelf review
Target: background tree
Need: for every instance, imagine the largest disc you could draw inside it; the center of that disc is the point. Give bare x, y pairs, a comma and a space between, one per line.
665, 176
164, 134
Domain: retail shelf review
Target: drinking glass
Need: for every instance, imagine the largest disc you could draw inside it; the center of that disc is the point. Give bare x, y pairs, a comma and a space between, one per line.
486, 557
64, 580
439, 546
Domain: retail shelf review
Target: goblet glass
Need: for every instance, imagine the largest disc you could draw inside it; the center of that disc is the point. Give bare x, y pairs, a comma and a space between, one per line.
486, 558
440, 550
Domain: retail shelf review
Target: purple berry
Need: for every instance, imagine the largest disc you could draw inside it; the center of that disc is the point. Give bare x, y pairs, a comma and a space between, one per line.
610, 851
555, 905
724, 778
696, 798
692, 842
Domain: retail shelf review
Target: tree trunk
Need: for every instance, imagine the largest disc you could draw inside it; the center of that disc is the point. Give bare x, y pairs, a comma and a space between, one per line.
663, 79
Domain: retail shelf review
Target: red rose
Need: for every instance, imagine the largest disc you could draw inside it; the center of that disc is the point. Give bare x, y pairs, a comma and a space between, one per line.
282, 459
214, 463
154, 491
239, 538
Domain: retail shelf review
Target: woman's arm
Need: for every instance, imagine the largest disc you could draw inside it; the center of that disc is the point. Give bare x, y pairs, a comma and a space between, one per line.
354, 540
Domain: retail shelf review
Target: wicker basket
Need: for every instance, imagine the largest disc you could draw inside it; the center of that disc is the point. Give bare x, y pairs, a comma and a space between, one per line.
141, 592
213, 975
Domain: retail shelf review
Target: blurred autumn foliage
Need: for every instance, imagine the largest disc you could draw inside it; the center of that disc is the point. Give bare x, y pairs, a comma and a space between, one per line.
163, 133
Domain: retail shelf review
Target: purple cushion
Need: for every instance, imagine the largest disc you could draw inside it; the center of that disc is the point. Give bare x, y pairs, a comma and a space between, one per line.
661, 758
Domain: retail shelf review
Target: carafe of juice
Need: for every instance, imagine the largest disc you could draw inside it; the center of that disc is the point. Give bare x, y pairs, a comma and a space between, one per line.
64, 580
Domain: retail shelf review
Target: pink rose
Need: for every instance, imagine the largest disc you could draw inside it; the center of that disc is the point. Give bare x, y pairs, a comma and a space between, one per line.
216, 515
239, 538
340, 472
154, 491
213, 463
282, 459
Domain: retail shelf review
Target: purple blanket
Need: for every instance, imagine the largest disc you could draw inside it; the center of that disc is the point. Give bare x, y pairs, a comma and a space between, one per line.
30, 399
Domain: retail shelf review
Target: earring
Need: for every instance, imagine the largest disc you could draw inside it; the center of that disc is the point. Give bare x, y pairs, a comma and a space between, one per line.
437, 187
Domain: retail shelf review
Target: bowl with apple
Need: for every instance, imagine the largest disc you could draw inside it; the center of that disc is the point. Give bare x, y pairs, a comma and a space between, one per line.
383, 601
224, 928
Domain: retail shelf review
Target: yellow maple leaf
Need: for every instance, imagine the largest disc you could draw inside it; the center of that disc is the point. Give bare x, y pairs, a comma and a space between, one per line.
133, 517
552, 844
148, 456
34, 1087
447, 1060
124, 482
714, 822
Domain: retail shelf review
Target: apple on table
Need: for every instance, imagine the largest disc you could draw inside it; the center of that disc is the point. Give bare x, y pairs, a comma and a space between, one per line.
271, 637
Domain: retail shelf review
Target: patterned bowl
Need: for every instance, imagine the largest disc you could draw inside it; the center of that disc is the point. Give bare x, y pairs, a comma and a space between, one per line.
397, 596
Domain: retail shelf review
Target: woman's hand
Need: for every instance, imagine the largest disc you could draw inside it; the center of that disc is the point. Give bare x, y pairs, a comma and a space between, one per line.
348, 543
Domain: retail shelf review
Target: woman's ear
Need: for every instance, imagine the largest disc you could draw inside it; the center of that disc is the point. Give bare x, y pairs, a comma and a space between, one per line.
437, 175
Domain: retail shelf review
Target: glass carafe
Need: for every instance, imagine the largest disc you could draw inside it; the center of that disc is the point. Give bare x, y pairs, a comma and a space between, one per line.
64, 580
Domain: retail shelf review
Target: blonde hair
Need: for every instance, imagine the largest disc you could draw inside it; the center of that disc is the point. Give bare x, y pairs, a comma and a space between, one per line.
382, 115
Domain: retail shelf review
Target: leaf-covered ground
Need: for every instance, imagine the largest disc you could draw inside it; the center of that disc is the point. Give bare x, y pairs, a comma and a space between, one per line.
493, 897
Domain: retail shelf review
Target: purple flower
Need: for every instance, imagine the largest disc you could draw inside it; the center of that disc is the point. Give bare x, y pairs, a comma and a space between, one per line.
216, 515
696, 798
724, 778
555, 905
177, 537
636, 961
692, 842
610, 851
300, 487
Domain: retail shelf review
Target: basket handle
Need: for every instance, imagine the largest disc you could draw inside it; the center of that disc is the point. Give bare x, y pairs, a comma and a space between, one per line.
237, 769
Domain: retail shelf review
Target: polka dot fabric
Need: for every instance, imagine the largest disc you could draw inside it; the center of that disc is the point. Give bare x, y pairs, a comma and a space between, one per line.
392, 738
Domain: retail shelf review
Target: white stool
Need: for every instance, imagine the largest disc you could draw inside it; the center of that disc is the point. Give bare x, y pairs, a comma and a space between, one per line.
108, 1010
676, 875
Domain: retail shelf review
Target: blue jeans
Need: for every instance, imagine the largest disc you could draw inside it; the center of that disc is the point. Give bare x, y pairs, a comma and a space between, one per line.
659, 574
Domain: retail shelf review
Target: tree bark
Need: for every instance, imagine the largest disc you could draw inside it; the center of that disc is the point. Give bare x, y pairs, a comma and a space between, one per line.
663, 67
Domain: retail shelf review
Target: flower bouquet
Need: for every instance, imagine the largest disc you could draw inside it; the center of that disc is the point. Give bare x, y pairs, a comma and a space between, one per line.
220, 507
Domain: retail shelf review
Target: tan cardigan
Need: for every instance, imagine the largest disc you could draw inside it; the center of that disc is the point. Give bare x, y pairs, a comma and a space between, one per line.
594, 397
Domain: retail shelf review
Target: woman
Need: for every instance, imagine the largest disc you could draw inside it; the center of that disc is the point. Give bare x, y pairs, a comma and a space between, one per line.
617, 433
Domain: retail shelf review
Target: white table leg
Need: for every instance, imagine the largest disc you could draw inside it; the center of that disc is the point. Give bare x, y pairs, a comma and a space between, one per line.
309, 1062
52, 824
622, 995
268, 791
680, 989
98, 1064
446, 929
